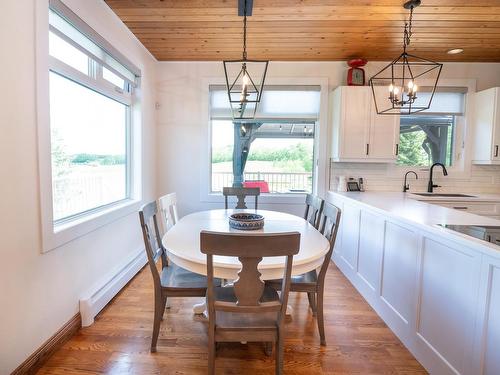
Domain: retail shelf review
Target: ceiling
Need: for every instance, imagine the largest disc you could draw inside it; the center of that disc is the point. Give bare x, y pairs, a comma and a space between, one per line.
313, 30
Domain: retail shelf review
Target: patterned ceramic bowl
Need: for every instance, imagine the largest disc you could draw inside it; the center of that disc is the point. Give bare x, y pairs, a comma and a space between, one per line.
246, 221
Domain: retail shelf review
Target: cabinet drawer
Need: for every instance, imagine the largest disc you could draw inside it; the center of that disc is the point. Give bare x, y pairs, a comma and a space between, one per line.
485, 208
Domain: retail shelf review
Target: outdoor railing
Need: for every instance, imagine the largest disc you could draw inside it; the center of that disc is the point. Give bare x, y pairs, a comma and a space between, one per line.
279, 182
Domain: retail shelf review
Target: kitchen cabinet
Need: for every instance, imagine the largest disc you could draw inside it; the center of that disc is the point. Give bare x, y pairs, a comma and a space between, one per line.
359, 134
489, 209
487, 127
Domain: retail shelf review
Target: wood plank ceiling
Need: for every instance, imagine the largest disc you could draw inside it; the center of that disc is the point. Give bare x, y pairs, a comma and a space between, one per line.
313, 30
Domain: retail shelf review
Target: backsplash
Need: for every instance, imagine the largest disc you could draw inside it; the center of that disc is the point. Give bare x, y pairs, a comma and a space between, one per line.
380, 177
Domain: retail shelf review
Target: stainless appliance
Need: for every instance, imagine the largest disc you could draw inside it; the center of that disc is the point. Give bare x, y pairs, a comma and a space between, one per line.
482, 232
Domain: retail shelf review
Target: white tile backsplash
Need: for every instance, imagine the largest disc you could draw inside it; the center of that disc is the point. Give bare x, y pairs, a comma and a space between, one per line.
381, 177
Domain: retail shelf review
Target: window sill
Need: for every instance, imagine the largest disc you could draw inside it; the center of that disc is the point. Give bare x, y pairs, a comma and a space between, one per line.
265, 198
57, 235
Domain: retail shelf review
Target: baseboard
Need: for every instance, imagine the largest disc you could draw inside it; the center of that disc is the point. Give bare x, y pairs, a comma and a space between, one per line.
99, 296
44, 352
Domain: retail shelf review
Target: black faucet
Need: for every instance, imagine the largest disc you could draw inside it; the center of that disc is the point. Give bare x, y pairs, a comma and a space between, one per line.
406, 186
431, 186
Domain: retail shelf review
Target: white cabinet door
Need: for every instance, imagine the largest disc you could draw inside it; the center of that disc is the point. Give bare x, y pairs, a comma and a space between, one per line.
487, 127
355, 122
384, 136
496, 126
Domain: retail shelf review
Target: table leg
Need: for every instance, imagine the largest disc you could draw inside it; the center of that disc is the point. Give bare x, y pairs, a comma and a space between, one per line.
199, 308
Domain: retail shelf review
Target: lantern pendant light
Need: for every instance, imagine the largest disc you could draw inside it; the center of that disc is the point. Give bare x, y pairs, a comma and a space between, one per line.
244, 78
407, 85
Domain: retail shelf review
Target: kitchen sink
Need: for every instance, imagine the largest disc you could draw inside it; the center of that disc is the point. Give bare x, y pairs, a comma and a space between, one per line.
444, 195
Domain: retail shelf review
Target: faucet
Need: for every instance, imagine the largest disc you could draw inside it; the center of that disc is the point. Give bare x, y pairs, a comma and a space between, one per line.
406, 186
431, 186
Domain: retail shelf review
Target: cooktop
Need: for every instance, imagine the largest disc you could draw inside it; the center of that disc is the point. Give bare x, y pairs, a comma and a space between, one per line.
482, 232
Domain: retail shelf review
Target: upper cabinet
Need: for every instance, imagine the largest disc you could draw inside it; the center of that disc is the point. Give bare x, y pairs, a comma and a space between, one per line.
359, 134
487, 127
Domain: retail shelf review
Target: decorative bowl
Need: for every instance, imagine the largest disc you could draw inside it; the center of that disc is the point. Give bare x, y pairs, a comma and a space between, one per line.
246, 221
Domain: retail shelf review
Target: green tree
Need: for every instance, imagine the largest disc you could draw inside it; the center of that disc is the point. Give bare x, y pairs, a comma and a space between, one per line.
410, 149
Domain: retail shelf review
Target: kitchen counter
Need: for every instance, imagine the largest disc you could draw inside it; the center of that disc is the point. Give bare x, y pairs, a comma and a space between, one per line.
437, 289
414, 209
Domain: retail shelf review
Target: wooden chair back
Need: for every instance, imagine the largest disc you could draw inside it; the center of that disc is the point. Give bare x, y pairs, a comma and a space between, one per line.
329, 228
152, 240
241, 193
250, 249
314, 208
168, 208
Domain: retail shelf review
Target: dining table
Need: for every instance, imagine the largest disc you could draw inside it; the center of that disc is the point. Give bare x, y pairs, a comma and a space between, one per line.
182, 243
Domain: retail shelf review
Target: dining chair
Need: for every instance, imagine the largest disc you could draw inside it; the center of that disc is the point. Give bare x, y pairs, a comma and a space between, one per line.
168, 208
249, 310
314, 208
313, 282
172, 281
241, 193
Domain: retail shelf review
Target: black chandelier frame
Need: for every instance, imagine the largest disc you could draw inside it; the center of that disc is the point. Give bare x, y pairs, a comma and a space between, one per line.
251, 93
405, 65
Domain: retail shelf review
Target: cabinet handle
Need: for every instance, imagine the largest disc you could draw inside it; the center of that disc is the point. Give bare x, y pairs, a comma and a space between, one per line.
367, 149
397, 149
496, 151
460, 208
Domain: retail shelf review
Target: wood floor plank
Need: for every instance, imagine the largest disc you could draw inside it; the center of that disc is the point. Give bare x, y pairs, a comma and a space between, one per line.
118, 342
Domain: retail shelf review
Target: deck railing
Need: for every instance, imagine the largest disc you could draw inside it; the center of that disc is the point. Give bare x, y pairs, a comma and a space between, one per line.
279, 182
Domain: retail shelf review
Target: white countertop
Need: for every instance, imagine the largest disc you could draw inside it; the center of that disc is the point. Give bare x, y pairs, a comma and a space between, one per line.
474, 197
406, 207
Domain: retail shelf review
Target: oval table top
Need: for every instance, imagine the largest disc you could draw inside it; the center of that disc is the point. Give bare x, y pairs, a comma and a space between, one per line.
182, 243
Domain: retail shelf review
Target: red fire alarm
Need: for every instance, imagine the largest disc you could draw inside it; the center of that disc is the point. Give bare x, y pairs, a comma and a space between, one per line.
356, 75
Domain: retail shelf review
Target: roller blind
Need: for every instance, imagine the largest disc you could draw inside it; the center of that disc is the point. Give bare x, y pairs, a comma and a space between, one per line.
276, 102
68, 26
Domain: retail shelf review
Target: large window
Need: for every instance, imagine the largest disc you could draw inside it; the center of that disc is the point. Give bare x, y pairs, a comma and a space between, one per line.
274, 152
90, 113
430, 137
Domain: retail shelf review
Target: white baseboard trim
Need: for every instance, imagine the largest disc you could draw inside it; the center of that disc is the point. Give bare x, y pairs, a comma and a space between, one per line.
92, 303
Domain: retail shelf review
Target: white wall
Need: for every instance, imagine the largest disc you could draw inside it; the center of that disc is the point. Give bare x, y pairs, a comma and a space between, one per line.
39, 293
181, 125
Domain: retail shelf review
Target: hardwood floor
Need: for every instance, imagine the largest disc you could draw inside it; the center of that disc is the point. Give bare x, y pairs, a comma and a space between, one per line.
358, 341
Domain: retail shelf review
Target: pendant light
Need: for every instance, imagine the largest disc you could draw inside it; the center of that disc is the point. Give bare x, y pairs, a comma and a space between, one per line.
244, 78
407, 85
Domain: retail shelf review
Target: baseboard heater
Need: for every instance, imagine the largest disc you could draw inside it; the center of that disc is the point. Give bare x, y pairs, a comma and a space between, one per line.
94, 302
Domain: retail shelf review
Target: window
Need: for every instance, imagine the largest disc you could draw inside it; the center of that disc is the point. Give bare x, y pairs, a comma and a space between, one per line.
90, 99
429, 137
276, 151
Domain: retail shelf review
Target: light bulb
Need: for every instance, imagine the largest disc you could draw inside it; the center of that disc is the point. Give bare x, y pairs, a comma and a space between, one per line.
410, 85
245, 79
415, 88
396, 91
391, 87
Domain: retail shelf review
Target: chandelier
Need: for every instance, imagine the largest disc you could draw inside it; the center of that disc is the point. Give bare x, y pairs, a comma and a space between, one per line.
244, 78
407, 85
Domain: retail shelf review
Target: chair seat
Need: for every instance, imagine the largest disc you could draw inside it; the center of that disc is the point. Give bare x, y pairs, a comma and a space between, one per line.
307, 279
247, 321
226, 294
177, 277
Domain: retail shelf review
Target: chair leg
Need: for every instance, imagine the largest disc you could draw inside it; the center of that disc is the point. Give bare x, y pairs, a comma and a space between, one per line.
158, 315
268, 348
320, 318
312, 301
279, 353
211, 350
164, 306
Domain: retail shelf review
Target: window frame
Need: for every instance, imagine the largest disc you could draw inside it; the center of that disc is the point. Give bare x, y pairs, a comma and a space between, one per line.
321, 139
299, 121
462, 145
56, 234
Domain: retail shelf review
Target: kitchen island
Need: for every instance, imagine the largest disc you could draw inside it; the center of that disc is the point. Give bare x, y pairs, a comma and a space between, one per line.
437, 289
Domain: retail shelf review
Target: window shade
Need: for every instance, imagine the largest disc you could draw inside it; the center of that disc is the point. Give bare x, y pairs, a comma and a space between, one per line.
276, 102
61, 21
445, 101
